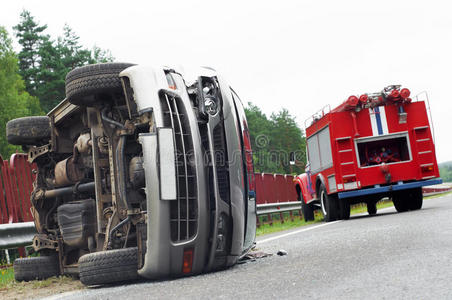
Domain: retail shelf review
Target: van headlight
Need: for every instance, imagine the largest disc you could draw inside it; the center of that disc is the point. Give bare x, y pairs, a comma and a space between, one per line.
211, 106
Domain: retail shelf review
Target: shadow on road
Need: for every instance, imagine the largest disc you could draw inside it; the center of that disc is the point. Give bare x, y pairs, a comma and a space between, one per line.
385, 213
365, 215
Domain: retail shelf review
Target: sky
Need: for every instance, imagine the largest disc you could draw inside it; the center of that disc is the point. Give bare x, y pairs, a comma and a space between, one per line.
298, 55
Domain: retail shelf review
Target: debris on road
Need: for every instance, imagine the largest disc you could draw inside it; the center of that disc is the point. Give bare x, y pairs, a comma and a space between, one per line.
282, 252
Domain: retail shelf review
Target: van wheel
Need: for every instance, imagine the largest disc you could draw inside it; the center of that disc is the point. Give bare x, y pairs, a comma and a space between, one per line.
329, 205
109, 266
306, 209
93, 84
28, 131
344, 209
400, 201
415, 199
36, 268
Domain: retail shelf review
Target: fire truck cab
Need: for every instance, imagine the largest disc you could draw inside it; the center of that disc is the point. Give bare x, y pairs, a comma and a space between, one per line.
373, 146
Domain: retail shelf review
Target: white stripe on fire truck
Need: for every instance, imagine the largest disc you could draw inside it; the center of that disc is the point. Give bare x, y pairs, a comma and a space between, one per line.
373, 121
378, 120
384, 122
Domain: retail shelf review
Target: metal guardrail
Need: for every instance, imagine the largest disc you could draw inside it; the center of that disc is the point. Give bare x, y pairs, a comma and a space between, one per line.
271, 208
437, 189
16, 235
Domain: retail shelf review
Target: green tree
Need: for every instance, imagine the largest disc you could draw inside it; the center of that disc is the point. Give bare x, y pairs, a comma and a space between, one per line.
44, 62
258, 125
30, 36
57, 59
72, 53
51, 75
99, 55
288, 137
14, 100
445, 171
272, 140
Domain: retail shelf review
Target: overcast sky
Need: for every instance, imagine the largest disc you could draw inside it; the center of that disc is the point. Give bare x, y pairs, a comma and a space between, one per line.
301, 55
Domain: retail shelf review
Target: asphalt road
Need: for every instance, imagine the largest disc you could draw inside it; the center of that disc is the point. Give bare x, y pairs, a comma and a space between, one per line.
388, 256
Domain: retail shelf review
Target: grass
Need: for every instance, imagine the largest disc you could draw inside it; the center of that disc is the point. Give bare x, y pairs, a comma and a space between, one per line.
438, 195
51, 281
7, 277
362, 208
287, 224
7, 281
277, 225
12, 289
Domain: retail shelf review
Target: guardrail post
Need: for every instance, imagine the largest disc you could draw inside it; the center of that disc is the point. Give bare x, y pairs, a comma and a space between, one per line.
277, 193
8, 260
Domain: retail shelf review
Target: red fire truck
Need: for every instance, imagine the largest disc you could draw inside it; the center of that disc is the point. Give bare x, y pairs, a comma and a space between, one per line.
373, 146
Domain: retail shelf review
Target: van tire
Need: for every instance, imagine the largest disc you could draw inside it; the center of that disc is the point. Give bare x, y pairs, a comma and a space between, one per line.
109, 266
28, 131
92, 84
36, 268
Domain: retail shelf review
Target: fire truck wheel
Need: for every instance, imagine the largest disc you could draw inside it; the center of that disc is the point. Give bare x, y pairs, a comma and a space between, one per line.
109, 266
329, 205
400, 201
372, 208
415, 199
306, 209
91, 84
344, 209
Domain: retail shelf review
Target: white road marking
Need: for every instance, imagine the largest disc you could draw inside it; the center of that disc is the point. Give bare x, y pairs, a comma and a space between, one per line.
314, 227
296, 232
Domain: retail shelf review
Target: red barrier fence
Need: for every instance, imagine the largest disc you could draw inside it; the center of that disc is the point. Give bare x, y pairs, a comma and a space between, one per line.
16, 178
274, 188
436, 189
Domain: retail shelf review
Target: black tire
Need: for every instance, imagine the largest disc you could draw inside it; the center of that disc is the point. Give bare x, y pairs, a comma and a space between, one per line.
306, 209
36, 268
329, 205
415, 199
109, 266
400, 202
344, 209
88, 85
28, 131
372, 208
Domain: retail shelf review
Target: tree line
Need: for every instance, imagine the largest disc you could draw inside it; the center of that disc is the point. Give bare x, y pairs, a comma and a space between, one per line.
44, 61
32, 82
445, 171
273, 139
